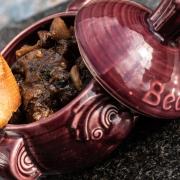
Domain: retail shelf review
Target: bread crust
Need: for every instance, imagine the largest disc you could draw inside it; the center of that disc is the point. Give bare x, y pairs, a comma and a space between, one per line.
10, 98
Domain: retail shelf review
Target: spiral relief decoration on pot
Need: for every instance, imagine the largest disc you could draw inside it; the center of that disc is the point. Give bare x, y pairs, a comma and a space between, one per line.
108, 115
97, 134
93, 120
25, 165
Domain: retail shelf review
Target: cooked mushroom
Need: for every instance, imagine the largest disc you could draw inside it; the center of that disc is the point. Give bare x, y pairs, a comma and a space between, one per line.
75, 76
25, 49
59, 30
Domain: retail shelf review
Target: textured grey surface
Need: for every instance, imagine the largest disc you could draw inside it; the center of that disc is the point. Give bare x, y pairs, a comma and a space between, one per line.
17, 10
152, 151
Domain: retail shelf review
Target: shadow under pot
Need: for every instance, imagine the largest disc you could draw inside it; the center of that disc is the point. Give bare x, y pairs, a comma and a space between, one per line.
80, 134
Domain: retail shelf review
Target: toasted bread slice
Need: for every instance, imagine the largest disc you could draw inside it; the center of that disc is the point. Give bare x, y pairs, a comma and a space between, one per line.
10, 98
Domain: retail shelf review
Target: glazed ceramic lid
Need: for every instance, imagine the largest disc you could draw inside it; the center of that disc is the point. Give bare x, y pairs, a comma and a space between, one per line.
133, 53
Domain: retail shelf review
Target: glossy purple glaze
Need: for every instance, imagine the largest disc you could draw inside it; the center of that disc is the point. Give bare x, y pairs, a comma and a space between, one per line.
77, 136
75, 5
127, 59
14, 160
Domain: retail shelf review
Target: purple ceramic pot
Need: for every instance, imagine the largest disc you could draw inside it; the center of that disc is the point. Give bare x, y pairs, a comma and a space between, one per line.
75, 5
132, 53
81, 134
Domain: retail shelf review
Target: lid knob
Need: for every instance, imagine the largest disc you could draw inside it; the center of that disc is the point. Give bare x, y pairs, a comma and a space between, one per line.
165, 20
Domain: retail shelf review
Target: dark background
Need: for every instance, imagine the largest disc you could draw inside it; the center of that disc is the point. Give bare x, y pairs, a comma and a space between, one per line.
152, 151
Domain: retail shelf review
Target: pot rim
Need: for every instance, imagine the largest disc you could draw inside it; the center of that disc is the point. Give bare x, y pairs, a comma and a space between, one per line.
23, 34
